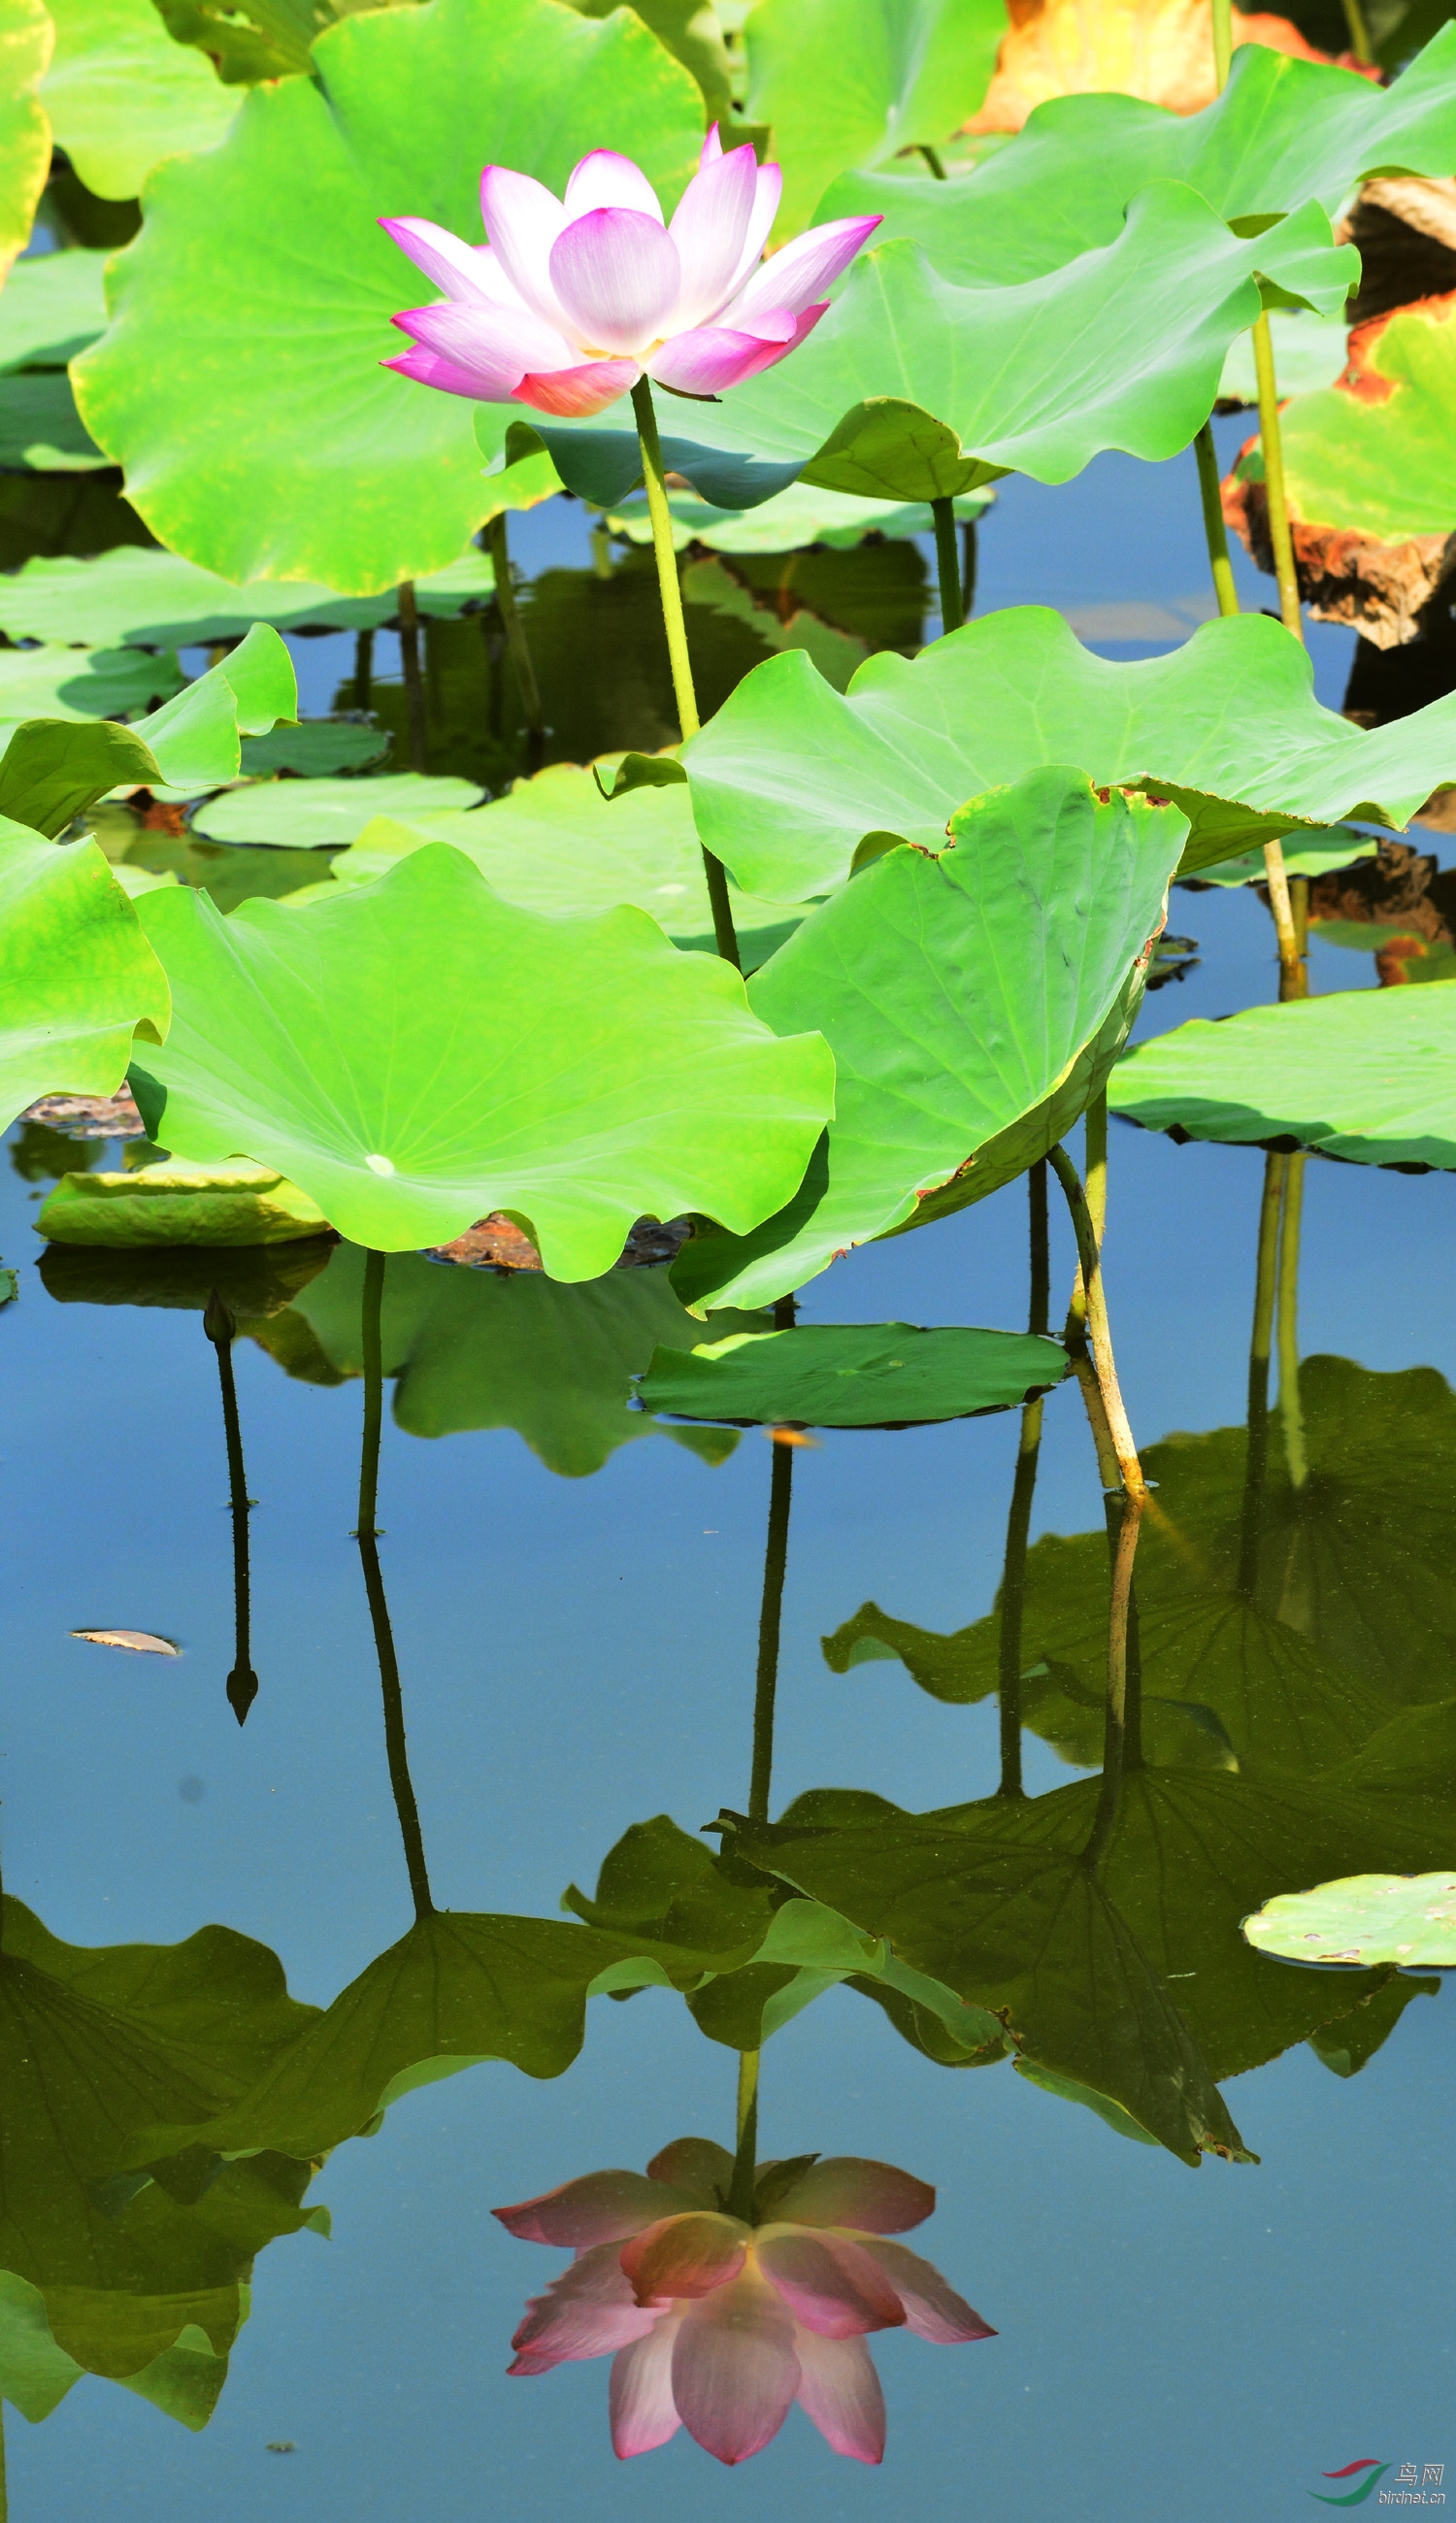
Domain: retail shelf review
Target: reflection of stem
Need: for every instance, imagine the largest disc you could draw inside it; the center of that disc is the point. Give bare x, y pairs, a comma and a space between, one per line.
1289, 1411
670, 589
601, 548
1257, 1456
933, 158
1018, 1519
745, 2158
1214, 529
242, 1682
516, 642
1124, 1519
947, 563
409, 666
363, 669
1099, 1336
968, 568
379, 1610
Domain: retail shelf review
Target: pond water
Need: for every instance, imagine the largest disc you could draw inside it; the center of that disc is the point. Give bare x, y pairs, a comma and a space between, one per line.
574, 1600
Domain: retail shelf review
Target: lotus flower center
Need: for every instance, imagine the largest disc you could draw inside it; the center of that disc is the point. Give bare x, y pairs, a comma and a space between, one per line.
379, 1165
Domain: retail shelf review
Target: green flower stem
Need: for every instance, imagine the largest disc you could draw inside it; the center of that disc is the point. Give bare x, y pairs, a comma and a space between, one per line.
1124, 1522
367, 1537
1271, 440
516, 641
1125, 1451
1018, 1518
670, 590
1223, 40
745, 2158
934, 162
1290, 1410
1094, 1123
948, 564
363, 669
1259, 1346
1214, 529
601, 549
242, 1682
414, 681
968, 568
1354, 19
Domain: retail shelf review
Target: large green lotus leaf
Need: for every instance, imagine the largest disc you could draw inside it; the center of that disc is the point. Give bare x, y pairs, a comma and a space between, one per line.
460, 1987
26, 37
555, 844
54, 768
478, 1349
52, 306
41, 430
303, 457
137, 597
672, 1894
1379, 460
1362, 1919
851, 1375
791, 776
331, 814
691, 33
913, 388
347, 1044
1029, 1933
1368, 1076
79, 975
850, 83
1284, 132
97, 2042
973, 1002
122, 95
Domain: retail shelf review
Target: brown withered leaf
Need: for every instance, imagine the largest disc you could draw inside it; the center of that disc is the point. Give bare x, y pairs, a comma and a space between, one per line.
1159, 49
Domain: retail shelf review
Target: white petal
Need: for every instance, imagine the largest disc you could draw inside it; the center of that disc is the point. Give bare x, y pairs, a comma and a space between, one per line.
800, 273
617, 278
708, 228
461, 270
765, 211
642, 2408
523, 221
608, 181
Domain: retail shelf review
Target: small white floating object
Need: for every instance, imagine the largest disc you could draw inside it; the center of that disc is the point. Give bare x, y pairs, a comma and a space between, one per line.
140, 1642
380, 1165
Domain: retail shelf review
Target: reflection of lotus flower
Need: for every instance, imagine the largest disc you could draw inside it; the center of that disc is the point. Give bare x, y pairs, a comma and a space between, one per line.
570, 304
717, 2324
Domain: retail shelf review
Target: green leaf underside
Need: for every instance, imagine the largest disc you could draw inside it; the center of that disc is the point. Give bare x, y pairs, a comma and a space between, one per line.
1283, 133
1368, 1076
1363, 1919
790, 776
1382, 466
852, 1375
578, 1075
849, 82
140, 597
304, 456
52, 307
972, 1002
468, 1348
556, 845
79, 975
912, 388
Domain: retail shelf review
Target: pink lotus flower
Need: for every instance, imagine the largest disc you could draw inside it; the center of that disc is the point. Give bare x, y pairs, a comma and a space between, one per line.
717, 2324
571, 303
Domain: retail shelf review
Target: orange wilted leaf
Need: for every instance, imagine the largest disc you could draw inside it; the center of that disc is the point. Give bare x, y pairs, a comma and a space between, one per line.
1159, 49
140, 1642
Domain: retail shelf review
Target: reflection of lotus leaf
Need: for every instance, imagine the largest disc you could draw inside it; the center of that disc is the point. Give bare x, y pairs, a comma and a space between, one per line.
418, 1053
1402, 1919
471, 1349
1365, 1075
852, 1375
790, 776
973, 1002
143, 2279
302, 455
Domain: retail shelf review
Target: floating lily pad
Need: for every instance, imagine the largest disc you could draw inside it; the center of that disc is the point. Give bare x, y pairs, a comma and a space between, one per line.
315, 748
79, 977
1365, 1075
973, 1002
913, 388
174, 1203
328, 814
850, 83
792, 519
1409, 1919
418, 1053
51, 307
790, 776
120, 94
27, 39
1283, 133
849, 1375
303, 454
138, 597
